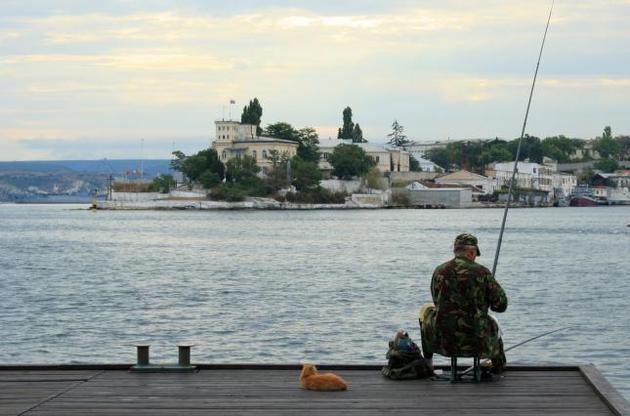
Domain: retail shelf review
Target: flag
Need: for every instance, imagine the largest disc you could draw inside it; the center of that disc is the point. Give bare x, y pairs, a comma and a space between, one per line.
232, 102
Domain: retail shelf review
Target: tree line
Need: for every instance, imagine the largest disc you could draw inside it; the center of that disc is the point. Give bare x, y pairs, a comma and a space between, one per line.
475, 155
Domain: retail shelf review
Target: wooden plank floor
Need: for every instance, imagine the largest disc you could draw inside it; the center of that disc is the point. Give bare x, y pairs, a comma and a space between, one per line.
268, 391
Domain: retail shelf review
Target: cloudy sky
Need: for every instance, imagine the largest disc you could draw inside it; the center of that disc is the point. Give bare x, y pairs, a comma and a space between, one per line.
130, 78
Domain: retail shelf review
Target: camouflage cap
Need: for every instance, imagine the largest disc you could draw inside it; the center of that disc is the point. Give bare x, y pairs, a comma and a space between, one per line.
467, 240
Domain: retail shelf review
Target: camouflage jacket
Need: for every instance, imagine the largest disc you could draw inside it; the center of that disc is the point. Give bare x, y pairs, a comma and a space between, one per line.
463, 291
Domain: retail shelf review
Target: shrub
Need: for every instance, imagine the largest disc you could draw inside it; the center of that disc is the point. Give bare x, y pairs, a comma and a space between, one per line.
228, 192
318, 195
209, 179
401, 199
132, 187
162, 183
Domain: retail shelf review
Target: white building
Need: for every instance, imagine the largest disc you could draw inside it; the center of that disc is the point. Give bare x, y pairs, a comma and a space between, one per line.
535, 176
529, 175
420, 149
563, 184
387, 158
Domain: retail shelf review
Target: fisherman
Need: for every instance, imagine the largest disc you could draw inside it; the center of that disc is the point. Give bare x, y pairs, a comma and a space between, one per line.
458, 323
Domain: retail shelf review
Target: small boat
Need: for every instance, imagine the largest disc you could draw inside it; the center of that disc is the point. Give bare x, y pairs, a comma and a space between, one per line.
582, 196
583, 201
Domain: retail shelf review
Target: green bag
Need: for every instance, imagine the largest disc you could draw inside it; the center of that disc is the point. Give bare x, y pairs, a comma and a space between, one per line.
404, 359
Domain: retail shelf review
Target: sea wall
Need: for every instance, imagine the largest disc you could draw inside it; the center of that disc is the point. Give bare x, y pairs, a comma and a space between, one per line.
338, 185
370, 201
445, 197
138, 196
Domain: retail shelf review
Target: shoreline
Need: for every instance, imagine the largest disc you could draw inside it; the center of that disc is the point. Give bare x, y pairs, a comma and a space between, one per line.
268, 204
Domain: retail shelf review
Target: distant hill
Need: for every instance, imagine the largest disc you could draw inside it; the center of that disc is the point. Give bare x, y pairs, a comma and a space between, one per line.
33, 181
116, 167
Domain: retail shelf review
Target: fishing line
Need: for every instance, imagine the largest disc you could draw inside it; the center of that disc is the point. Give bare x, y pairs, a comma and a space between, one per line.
469, 369
518, 149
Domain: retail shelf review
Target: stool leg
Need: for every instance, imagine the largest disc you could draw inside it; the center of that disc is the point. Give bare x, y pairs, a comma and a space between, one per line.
477, 369
143, 354
453, 369
184, 355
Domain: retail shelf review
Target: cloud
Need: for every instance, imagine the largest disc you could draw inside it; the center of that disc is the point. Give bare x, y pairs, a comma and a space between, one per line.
126, 69
147, 60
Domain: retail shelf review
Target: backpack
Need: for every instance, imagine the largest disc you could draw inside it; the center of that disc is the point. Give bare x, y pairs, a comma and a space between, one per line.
404, 359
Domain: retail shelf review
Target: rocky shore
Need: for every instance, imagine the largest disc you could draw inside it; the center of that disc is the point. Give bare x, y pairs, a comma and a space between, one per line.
249, 203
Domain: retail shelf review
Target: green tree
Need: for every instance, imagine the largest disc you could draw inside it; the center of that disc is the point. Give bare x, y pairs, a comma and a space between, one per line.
308, 149
531, 148
163, 183
209, 179
177, 164
277, 158
357, 134
350, 160
414, 165
440, 156
277, 175
194, 166
305, 175
606, 165
624, 147
560, 148
241, 169
606, 146
345, 132
307, 138
281, 130
252, 114
397, 137
496, 153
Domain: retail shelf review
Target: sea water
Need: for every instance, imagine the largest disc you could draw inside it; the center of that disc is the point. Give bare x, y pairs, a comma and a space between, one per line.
288, 286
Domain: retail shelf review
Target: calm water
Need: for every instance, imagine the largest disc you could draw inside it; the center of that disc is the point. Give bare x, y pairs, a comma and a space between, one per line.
322, 286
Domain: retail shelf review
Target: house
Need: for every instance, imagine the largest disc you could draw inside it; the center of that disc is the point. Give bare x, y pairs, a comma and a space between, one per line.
612, 187
419, 150
563, 184
234, 139
479, 183
542, 179
387, 158
529, 175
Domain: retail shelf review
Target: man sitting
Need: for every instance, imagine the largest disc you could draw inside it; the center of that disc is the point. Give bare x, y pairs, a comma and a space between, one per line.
458, 324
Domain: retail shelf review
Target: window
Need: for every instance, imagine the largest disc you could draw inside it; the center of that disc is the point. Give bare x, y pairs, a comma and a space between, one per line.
264, 154
224, 155
254, 154
378, 158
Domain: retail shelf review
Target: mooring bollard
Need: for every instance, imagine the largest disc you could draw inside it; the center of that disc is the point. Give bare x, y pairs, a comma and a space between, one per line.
143, 354
184, 355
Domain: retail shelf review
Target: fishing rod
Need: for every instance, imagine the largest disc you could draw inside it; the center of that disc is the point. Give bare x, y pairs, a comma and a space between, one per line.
468, 370
518, 148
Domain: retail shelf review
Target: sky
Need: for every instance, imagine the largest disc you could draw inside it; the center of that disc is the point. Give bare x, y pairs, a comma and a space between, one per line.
139, 79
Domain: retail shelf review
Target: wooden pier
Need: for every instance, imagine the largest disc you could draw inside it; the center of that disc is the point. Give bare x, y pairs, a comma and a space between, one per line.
274, 390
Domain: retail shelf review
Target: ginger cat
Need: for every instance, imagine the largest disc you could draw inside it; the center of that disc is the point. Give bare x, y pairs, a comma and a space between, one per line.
310, 379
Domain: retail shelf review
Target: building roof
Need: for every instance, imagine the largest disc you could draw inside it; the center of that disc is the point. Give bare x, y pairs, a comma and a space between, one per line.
263, 139
463, 175
367, 147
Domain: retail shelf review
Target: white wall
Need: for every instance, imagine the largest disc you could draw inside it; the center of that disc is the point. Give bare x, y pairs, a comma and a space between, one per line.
337, 185
137, 196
